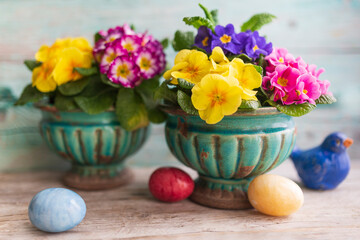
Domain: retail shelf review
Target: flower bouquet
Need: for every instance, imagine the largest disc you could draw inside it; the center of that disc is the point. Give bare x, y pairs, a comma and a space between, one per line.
246, 91
97, 102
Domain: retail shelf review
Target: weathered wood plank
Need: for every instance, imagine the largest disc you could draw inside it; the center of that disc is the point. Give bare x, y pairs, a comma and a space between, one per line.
131, 213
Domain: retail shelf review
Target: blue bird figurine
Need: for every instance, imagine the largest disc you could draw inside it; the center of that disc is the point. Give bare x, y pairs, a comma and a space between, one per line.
326, 166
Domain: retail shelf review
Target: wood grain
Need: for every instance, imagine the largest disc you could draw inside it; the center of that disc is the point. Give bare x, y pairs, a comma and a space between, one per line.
131, 213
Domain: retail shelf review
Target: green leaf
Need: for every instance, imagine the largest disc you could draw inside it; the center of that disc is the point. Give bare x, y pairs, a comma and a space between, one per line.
75, 87
198, 49
156, 115
130, 109
197, 21
185, 103
214, 14
295, 110
164, 92
106, 80
86, 71
250, 104
97, 103
165, 43
325, 99
146, 91
31, 64
185, 84
132, 26
64, 103
183, 40
259, 69
29, 95
208, 15
97, 37
261, 61
243, 57
257, 21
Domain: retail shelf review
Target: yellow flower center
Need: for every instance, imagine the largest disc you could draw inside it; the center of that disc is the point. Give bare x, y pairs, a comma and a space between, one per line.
128, 46
281, 60
255, 48
299, 93
112, 39
217, 98
145, 63
192, 71
282, 82
285, 97
111, 57
205, 42
123, 71
225, 38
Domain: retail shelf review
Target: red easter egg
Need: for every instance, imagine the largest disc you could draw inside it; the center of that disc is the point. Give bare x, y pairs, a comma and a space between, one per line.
169, 184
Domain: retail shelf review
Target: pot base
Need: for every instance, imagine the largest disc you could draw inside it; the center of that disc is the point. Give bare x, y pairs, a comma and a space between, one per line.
97, 182
221, 193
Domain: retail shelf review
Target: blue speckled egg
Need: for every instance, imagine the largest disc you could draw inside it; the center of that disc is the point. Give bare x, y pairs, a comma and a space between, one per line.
56, 210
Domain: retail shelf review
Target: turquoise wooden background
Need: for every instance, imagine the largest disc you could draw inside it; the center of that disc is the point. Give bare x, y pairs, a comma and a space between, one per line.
323, 32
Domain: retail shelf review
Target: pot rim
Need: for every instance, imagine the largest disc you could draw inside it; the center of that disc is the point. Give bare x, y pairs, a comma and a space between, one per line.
46, 107
241, 112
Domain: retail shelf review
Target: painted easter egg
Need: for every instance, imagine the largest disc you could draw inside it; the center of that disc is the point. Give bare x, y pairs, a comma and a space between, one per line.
56, 210
275, 195
169, 184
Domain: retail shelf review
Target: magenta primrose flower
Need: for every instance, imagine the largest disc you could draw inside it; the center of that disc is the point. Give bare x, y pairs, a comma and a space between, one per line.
123, 71
128, 58
292, 80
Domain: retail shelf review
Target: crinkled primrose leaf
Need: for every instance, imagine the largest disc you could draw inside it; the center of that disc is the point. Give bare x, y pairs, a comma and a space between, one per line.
249, 104
75, 87
295, 110
185, 84
164, 92
130, 110
29, 95
64, 103
325, 99
183, 40
185, 103
197, 21
257, 21
31, 64
86, 71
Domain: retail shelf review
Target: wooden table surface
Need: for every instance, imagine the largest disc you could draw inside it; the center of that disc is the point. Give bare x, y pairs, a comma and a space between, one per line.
131, 212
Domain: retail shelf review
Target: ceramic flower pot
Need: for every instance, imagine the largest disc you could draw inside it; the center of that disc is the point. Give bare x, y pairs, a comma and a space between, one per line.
229, 154
96, 145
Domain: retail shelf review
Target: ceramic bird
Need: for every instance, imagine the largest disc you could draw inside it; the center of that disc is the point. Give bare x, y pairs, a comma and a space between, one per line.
326, 166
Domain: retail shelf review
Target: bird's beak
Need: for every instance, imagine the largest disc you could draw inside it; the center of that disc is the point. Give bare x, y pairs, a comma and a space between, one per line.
348, 142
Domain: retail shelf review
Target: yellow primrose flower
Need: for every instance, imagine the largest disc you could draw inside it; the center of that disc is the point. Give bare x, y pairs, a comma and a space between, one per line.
215, 96
45, 52
68, 60
42, 77
190, 65
247, 76
220, 63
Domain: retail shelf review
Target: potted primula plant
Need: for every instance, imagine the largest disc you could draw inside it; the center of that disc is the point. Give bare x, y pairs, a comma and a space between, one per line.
230, 97
97, 102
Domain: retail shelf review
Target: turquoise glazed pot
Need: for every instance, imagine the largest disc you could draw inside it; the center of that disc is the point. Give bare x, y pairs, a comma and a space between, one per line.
229, 154
96, 145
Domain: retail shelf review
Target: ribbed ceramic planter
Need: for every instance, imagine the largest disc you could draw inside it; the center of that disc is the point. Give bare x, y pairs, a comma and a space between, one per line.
229, 154
96, 145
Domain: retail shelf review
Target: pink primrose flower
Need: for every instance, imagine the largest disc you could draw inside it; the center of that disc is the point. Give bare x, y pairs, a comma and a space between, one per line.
123, 71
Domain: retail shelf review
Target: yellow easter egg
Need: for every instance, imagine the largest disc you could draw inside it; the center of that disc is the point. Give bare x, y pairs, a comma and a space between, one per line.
275, 195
